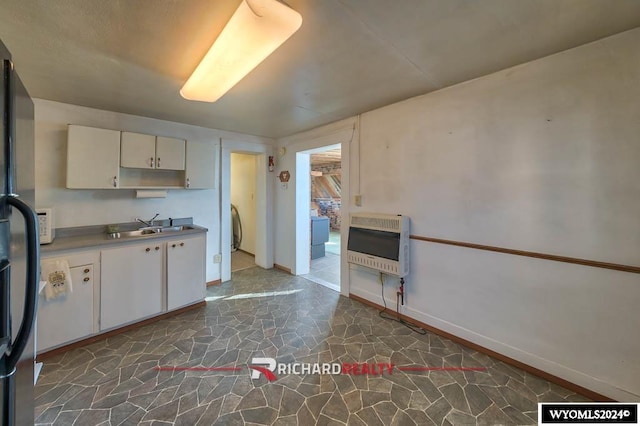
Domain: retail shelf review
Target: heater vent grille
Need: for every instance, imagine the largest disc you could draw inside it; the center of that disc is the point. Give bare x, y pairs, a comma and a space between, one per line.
383, 265
383, 224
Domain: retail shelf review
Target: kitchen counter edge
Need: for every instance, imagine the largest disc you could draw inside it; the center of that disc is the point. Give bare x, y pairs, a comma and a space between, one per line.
101, 240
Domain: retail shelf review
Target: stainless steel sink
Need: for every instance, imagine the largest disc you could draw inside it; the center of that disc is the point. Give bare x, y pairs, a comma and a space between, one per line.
175, 228
148, 231
129, 234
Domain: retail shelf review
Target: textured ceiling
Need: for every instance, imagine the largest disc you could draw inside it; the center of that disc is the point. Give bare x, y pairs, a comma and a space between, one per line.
349, 56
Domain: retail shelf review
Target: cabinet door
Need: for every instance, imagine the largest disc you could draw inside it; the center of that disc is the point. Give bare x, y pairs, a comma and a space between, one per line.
200, 167
185, 271
170, 153
69, 317
137, 151
93, 157
131, 284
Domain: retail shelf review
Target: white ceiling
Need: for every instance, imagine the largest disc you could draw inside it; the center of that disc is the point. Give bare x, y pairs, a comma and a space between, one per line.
349, 56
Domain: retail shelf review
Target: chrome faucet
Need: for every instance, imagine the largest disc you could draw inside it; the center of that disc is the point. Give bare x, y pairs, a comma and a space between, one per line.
149, 222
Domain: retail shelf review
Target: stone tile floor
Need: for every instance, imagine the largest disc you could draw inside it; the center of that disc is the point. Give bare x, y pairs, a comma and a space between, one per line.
264, 313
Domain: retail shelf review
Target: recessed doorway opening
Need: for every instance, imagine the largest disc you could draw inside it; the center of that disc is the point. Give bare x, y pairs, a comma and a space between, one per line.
243, 210
325, 199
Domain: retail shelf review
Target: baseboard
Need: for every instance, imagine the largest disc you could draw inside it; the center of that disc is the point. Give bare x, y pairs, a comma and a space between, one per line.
214, 282
246, 252
547, 376
111, 333
282, 268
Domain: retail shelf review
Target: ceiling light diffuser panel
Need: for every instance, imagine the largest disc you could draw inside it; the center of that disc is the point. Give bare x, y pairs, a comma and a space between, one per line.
256, 29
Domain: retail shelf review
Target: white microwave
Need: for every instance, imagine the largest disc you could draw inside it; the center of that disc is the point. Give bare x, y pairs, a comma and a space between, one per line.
45, 225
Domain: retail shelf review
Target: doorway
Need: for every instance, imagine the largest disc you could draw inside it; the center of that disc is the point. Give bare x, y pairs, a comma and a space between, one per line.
325, 218
263, 216
243, 211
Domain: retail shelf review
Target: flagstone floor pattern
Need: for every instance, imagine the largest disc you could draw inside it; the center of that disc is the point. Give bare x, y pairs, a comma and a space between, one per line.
268, 313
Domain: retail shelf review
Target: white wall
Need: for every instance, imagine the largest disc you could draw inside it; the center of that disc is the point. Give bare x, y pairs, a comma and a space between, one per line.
540, 157
93, 207
243, 193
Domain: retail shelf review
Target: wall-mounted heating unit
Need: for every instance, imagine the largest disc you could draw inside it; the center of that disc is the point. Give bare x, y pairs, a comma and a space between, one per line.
380, 242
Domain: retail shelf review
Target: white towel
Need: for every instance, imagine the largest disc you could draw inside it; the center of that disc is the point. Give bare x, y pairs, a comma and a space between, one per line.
58, 277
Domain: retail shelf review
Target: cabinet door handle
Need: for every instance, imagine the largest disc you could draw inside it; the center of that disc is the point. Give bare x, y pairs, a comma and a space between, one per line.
147, 249
158, 163
157, 248
87, 270
188, 182
86, 279
173, 246
115, 181
181, 244
151, 161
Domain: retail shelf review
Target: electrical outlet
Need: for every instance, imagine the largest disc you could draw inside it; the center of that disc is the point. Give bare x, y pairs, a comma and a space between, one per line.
217, 258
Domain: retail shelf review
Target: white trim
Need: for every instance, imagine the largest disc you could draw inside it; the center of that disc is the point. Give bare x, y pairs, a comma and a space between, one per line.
264, 207
341, 134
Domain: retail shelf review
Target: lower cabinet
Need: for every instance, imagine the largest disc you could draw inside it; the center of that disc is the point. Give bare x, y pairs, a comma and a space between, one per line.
185, 271
117, 286
72, 316
131, 283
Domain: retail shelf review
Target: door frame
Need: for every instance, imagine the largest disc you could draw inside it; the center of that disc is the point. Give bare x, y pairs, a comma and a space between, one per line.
264, 205
343, 137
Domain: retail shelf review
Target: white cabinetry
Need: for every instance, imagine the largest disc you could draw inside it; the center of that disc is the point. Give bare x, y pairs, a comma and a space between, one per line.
101, 159
117, 286
137, 150
93, 157
72, 316
131, 284
201, 165
185, 271
170, 153
152, 152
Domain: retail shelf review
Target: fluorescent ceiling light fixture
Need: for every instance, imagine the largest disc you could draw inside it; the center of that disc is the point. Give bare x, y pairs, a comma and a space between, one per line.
256, 29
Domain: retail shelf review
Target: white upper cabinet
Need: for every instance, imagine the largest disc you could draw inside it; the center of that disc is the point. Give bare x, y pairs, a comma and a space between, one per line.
142, 151
93, 157
137, 151
99, 158
170, 153
201, 165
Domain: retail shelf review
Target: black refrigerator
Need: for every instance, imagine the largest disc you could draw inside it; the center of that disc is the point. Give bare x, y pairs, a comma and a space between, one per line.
19, 248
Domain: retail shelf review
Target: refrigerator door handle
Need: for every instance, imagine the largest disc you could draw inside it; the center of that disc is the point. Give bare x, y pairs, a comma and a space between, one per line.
33, 276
